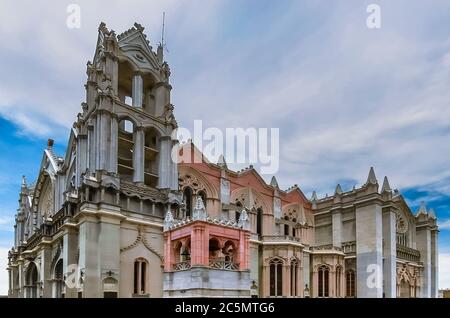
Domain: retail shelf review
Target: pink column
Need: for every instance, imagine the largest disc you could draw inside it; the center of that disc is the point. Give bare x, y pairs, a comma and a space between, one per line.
265, 282
286, 280
244, 237
300, 286
168, 257
315, 285
332, 284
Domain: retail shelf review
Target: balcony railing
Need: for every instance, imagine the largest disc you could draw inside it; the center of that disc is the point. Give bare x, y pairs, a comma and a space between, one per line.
349, 247
281, 238
408, 254
221, 263
182, 266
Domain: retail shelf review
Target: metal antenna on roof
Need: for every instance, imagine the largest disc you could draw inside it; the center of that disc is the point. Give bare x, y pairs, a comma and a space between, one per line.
163, 31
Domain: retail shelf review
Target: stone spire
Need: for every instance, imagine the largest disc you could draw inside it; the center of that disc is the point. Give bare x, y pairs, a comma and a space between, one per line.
221, 162
431, 214
199, 210
422, 209
274, 182
338, 189
386, 187
372, 178
168, 220
314, 196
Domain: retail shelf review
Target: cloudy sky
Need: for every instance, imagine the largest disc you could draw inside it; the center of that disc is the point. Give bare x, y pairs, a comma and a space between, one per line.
345, 97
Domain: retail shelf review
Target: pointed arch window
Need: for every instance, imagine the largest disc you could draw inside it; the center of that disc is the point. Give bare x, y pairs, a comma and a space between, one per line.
323, 283
140, 276
276, 277
350, 283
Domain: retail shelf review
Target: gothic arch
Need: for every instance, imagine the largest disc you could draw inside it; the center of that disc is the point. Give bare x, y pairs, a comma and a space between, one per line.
141, 239
250, 199
191, 177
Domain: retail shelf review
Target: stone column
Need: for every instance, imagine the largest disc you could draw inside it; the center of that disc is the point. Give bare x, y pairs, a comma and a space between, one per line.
70, 247
162, 97
137, 90
266, 281
314, 288
91, 149
113, 144
332, 284
369, 258
423, 243
108, 249
103, 141
46, 272
337, 227
300, 283
89, 256
434, 264
390, 253
286, 290
165, 167
138, 155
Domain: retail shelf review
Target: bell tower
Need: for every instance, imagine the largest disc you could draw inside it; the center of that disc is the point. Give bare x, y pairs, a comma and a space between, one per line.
127, 117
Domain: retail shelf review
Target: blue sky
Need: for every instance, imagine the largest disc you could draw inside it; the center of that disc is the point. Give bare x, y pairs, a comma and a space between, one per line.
345, 97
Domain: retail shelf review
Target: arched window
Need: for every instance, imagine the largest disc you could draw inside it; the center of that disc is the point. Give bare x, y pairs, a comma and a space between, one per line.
276, 277
259, 221
323, 283
338, 281
286, 229
140, 276
58, 280
229, 251
214, 249
32, 281
350, 283
294, 278
187, 197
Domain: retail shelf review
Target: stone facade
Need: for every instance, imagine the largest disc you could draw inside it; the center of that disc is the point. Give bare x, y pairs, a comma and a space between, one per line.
116, 217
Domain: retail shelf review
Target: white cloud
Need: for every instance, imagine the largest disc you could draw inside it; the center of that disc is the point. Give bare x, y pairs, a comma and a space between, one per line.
444, 224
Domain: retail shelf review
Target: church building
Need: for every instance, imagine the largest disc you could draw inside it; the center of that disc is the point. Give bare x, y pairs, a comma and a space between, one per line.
115, 216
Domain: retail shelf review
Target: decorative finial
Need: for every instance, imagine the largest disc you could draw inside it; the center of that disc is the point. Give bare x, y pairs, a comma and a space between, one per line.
338, 189
168, 220
372, 178
244, 221
274, 182
50, 143
314, 196
199, 210
221, 162
422, 209
386, 187
431, 214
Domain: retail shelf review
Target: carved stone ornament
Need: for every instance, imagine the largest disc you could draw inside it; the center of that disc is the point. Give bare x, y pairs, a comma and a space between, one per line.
400, 223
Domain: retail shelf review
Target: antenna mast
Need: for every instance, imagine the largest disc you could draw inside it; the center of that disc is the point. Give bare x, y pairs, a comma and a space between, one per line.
163, 26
